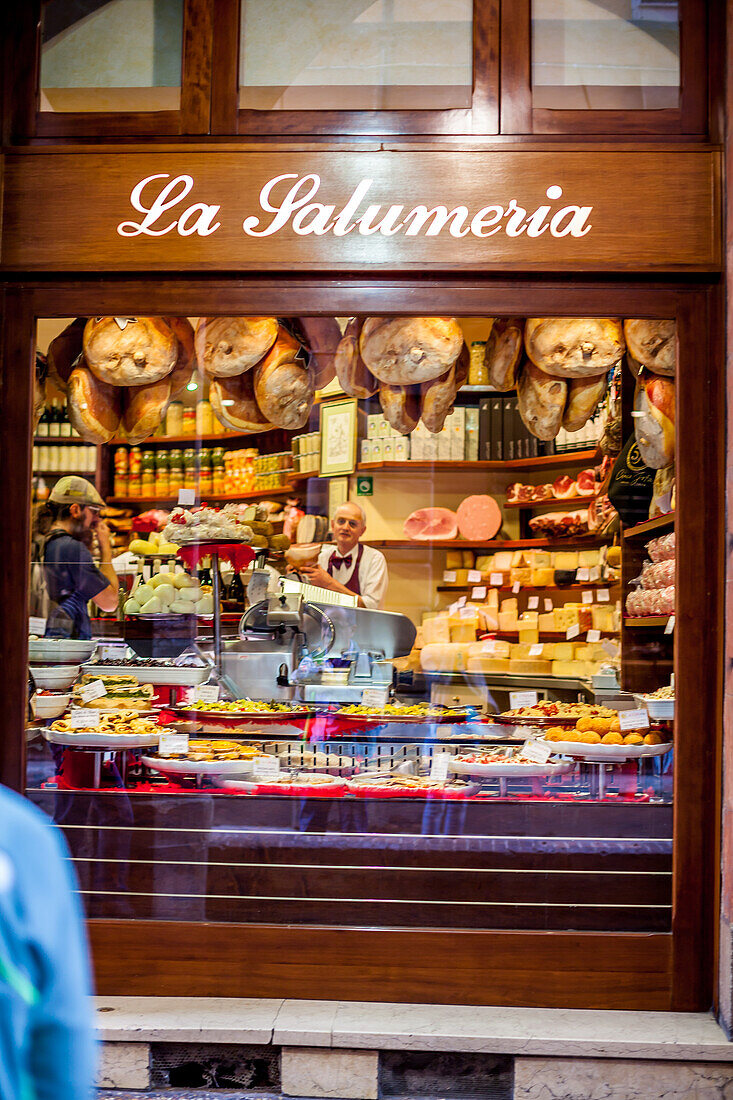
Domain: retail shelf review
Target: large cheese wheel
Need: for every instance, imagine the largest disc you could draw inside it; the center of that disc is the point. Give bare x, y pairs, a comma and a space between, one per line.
408, 350
227, 346
479, 518
283, 386
503, 352
94, 406
64, 350
584, 395
354, 376
541, 401
401, 406
653, 344
130, 351
654, 422
233, 401
144, 408
574, 347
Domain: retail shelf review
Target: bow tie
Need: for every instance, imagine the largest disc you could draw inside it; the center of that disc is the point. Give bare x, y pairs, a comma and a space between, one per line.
337, 562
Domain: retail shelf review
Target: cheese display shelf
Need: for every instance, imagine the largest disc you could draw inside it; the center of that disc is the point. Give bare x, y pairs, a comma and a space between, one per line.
587, 541
653, 622
543, 462
580, 587
551, 505
218, 498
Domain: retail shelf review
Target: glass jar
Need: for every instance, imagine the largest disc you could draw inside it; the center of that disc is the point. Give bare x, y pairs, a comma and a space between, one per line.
175, 472
478, 374
162, 486
189, 421
189, 469
206, 473
148, 473
174, 419
204, 418
135, 463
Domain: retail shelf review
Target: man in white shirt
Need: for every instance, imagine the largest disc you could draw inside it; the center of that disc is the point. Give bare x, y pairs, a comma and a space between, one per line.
351, 566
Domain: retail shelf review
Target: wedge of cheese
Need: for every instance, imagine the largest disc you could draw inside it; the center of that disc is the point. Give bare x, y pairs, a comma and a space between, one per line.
565, 559
468, 558
435, 630
492, 598
604, 618
492, 648
529, 618
454, 559
447, 657
542, 576
520, 575
534, 667
484, 562
565, 617
488, 664
547, 623
589, 558
488, 618
529, 635
509, 605
463, 624
564, 651
502, 561
541, 559
508, 621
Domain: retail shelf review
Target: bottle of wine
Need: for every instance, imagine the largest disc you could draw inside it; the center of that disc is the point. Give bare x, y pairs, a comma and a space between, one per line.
235, 592
42, 429
54, 421
65, 422
204, 571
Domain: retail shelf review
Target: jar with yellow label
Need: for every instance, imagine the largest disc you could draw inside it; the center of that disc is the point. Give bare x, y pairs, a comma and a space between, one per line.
148, 473
162, 481
121, 472
174, 419
204, 418
175, 472
206, 474
478, 374
134, 484
189, 421
219, 474
189, 469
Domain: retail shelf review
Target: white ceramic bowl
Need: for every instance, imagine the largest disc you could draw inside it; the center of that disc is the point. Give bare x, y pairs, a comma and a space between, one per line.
60, 650
55, 677
50, 706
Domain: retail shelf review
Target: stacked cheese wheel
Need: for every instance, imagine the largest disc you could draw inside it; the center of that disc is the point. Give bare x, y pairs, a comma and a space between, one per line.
170, 594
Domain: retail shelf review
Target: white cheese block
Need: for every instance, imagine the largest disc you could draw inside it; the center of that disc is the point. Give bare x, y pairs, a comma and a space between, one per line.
535, 667
488, 664
436, 630
447, 657
492, 648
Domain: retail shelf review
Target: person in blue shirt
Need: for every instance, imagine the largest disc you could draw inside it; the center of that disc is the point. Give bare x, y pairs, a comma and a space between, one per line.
47, 1046
69, 520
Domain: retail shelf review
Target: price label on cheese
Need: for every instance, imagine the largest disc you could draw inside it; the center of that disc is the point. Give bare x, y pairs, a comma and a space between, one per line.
450, 576
37, 625
593, 636
82, 718
497, 579
535, 750
453, 608
207, 693
92, 691
374, 697
266, 767
572, 632
522, 699
478, 593
548, 605
633, 719
186, 497
610, 647
466, 612
603, 595
587, 597
439, 765
582, 574
533, 603
669, 628
594, 573
173, 744
112, 651
474, 576
462, 606
535, 650
516, 587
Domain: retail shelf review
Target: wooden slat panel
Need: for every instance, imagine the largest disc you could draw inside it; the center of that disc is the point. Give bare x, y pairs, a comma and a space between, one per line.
225, 68
198, 20
516, 89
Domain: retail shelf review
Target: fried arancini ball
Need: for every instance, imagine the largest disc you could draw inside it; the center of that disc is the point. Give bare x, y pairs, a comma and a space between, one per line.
612, 739
653, 739
600, 725
614, 725
633, 738
592, 738
583, 725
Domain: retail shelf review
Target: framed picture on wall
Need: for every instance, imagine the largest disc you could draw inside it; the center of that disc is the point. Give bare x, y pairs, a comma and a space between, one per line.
338, 437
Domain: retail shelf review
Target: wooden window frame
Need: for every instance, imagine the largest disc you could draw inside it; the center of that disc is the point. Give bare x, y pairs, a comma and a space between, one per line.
555, 969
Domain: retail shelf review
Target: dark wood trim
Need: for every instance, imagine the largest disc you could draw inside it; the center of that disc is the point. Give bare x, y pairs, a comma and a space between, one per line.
552, 969
516, 67
198, 22
20, 51
109, 124
225, 68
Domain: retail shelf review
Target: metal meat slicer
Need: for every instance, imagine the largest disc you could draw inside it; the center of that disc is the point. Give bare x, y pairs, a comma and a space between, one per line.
314, 650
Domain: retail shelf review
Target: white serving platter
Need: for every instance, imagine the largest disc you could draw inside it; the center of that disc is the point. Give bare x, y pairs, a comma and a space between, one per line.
461, 767
84, 739
59, 651
162, 676
199, 767
603, 753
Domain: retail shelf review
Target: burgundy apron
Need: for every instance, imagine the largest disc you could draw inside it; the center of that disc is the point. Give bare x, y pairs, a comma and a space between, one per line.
353, 582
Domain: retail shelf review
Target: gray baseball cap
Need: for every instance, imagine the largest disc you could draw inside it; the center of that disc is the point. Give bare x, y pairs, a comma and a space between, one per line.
75, 490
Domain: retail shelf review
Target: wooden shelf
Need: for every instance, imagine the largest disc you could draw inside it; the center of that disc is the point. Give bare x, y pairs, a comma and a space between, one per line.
650, 525
295, 478
219, 498
529, 587
571, 504
551, 636
590, 541
648, 621
191, 439
43, 440
574, 458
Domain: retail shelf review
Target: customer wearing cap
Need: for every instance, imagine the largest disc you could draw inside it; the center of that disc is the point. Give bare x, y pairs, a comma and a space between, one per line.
352, 567
69, 521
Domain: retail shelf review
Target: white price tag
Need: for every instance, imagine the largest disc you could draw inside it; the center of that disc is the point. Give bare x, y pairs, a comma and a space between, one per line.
461, 601
594, 573
112, 651
439, 765
92, 691
522, 699
81, 718
572, 632
147, 572
497, 579
593, 636
582, 574
536, 751
474, 576
587, 597
375, 697
450, 576
37, 625
207, 693
478, 593
536, 650
603, 595
669, 628
173, 744
453, 608
633, 719
610, 647
533, 603
186, 497
516, 587
266, 767
548, 605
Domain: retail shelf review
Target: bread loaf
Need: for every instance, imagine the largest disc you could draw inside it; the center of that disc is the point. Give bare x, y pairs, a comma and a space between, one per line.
654, 424
574, 347
94, 406
437, 398
407, 350
541, 401
130, 351
185, 360
283, 386
228, 346
144, 408
321, 336
653, 344
503, 352
401, 406
233, 401
584, 395
64, 350
354, 376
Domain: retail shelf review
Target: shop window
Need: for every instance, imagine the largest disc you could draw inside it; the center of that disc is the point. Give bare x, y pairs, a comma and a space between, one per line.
115, 56
355, 55
600, 55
